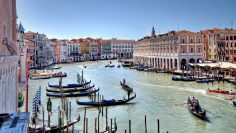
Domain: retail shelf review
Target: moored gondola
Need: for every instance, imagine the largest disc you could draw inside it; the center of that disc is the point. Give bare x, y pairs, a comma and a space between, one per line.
111, 102
69, 90
205, 80
194, 107
53, 129
59, 74
70, 85
234, 102
75, 94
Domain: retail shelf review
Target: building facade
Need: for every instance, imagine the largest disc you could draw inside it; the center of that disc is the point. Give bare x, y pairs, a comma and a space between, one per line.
44, 53
106, 52
93, 50
73, 52
9, 57
219, 44
122, 48
56, 45
173, 50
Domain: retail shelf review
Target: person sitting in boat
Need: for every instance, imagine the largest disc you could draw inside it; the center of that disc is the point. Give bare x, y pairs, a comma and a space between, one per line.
197, 106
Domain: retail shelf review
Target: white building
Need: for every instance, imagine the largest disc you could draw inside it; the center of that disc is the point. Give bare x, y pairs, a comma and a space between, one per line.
63, 53
74, 52
173, 50
122, 48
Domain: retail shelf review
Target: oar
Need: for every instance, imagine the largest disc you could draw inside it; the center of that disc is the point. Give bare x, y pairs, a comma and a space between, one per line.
211, 113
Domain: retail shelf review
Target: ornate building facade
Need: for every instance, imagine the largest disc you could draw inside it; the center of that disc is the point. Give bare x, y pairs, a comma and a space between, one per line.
173, 50
9, 57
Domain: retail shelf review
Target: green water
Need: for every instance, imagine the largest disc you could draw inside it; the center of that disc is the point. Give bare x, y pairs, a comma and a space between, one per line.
158, 97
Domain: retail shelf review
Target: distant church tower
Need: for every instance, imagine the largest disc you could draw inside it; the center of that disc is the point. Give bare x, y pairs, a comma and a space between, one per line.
153, 32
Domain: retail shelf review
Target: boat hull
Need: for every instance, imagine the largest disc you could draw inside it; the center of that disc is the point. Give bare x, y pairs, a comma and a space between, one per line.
78, 94
69, 90
69, 85
201, 115
106, 102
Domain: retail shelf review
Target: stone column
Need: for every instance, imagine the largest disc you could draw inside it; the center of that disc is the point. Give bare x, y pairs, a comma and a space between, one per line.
23, 65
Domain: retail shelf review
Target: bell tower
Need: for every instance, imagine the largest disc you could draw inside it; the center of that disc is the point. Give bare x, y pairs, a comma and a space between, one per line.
153, 32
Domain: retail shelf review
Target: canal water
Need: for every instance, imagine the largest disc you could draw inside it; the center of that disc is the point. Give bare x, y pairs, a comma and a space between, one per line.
158, 97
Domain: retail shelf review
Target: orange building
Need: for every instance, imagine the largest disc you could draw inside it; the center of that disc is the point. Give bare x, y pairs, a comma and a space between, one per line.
220, 44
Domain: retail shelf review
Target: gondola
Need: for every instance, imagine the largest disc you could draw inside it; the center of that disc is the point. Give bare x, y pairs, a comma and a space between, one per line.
107, 65
40, 77
125, 86
200, 113
53, 129
113, 130
205, 80
107, 102
234, 102
182, 78
60, 74
112, 65
75, 94
232, 81
70, 85
69, 90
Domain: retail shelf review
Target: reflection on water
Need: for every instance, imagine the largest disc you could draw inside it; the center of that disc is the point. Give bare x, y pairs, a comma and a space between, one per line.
157, 97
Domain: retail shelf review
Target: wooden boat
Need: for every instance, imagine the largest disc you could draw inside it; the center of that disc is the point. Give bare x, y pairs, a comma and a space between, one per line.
20, 100
40, 77
111, 102
112, 65
227, 95
232, 81
125, 86
223, 92
182, 78
205, 80
107, 65
126, 63
200, 113
53, 129
60, 74
69, 90
234, 102
75, 94
70, 85
113, 130
118, 66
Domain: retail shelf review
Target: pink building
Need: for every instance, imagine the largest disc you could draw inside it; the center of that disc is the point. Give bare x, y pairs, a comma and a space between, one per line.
8, 57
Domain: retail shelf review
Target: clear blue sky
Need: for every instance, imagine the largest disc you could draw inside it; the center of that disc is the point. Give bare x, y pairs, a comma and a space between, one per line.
124, 19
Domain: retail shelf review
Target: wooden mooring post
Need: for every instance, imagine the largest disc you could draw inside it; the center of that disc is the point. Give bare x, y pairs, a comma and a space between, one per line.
84, 120
158, 126
145, 124
129, 126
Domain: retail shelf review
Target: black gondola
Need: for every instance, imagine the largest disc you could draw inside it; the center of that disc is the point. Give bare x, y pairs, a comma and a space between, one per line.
198, 112
68, 90
234, 102
75, 94
53, 129
70, 85
107, 102
125, 86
